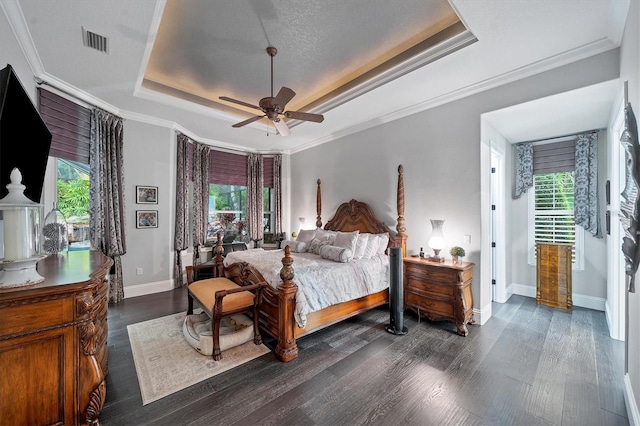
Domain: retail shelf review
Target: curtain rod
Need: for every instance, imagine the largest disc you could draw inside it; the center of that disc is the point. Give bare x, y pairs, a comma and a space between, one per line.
561, 136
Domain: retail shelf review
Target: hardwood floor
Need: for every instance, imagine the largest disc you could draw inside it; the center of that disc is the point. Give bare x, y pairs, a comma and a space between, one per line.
528, 365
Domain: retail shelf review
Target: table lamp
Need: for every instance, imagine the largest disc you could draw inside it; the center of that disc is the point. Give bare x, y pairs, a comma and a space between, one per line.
436, 242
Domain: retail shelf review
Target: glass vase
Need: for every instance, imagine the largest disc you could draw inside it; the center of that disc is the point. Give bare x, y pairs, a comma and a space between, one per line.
54, 232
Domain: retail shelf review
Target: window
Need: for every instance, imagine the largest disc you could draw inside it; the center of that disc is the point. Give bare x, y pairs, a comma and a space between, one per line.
227, 210
267, 210
72, 193
551, 216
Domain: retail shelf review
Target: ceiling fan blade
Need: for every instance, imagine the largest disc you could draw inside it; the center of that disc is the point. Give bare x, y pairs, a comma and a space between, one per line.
235, 101
248, 121
306, 116
283, 97
282, 127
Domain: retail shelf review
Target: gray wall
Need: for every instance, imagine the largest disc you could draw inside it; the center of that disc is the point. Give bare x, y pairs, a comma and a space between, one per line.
149, 160
440, 150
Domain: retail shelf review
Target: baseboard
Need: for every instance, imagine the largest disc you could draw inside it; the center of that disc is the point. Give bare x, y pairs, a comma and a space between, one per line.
630, 401
482, 315
589, 302
147, 288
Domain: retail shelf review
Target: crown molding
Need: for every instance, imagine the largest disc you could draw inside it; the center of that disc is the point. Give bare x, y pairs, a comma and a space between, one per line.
582, 52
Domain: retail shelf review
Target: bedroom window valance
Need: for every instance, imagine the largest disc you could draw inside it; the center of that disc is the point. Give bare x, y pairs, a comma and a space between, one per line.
227, 168
267, 172
579, 155
70, 126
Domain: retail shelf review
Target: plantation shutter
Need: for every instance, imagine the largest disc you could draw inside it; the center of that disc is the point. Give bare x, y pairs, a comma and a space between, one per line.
69, 124
554, 199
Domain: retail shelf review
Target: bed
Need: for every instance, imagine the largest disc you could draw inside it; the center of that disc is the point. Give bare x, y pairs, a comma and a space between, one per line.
286, 311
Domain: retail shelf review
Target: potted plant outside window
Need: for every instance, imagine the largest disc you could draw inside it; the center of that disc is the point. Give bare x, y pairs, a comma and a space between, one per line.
457, 253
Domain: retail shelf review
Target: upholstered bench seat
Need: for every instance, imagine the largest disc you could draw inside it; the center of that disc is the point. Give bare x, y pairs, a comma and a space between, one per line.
220, 297
204, 291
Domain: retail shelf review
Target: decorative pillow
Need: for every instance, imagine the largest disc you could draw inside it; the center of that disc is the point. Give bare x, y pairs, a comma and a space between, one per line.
361, 244
316, 245
337, 254
372, 247
295, 246
306, 235
383, 242
323, 235
347, 240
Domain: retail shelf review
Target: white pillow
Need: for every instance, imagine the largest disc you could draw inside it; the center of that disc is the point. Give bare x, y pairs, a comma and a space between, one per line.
372, 247
323, 235
347, 240
306, 235
383, 242
361, 244
295, 246
337, 254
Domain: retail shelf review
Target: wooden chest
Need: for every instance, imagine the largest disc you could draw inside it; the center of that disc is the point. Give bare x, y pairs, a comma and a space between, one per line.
553, 275
53, 343
440, 291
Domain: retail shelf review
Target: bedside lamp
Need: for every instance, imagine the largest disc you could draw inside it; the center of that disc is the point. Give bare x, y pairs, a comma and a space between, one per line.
301, 226
436, 242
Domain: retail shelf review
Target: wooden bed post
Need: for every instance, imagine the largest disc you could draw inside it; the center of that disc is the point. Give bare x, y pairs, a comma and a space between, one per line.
286, 349
400, 227
318, 206
218, 257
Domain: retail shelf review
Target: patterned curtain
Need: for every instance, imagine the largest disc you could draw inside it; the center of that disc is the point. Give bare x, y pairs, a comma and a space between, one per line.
107, 223
200, 197
181, 237
586, 184
277, 192
523, 169
255, 211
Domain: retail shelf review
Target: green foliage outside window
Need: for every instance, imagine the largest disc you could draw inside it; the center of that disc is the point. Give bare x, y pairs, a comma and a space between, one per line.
73, 197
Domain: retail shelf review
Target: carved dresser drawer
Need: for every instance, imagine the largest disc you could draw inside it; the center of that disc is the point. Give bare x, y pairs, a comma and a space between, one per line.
439, 291
53, 343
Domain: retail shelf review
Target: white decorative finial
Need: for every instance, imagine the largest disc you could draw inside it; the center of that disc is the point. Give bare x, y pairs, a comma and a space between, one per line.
16, 197
16, 181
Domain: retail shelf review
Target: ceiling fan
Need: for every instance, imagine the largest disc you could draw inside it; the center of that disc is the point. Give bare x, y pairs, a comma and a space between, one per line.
273, 107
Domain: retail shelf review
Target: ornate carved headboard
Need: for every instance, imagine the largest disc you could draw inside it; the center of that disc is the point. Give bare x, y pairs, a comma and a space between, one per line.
359, 216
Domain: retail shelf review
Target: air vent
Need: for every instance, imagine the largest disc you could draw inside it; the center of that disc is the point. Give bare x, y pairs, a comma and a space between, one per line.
95, 41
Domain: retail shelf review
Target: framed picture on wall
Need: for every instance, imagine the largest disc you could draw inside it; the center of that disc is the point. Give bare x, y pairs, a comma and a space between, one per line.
146, 194
146, 218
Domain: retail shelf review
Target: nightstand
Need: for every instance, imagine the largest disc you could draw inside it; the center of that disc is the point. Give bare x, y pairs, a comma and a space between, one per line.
440, 291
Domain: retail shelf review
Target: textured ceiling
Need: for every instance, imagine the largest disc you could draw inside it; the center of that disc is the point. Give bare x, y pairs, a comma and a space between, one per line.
204, 51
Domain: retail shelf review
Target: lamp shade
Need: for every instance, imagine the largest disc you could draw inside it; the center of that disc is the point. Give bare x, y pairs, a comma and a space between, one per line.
436, 242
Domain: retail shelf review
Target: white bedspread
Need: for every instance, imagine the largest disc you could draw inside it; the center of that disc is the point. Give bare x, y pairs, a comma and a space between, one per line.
321, 282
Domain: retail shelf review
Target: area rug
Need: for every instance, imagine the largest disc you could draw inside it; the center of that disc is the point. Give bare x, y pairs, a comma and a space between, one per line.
166, 363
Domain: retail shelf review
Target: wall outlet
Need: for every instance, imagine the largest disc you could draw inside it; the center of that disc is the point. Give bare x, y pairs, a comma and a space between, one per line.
467, 239
139, 271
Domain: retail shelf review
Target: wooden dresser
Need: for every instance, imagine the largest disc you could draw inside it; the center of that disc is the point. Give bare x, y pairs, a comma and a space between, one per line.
439, 291
53, 336
553, 275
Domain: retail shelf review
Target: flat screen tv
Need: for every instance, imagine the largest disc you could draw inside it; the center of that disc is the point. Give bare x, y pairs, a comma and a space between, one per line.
24, 137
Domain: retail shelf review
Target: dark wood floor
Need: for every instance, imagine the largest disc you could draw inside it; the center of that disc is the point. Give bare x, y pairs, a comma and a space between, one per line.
528, 365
